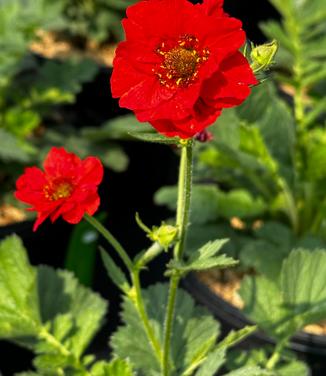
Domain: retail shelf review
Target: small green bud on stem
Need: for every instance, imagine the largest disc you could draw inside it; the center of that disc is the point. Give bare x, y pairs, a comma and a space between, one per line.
262, 56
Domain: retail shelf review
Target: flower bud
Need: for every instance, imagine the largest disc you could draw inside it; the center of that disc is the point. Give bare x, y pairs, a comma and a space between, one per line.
165, 235
262, 56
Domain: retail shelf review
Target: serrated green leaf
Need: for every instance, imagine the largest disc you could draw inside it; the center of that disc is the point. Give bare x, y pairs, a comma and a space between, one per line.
264, 304
155, 137
235, 337
59, 295
114, 272
203, 259
247, 358
19, 313
249, 371
212, 363
117, 367
304, 286
297, 298
194, 332
293, 368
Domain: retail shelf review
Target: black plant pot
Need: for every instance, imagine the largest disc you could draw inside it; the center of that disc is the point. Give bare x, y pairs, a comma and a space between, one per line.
309, 347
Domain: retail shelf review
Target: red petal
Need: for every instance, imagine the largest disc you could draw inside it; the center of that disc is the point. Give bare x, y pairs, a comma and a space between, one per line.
91, 171
213, 7
59, 163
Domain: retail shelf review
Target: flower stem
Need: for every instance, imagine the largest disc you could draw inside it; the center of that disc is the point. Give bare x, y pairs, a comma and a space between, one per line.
112, 240
182, 219
184, 197
140, 306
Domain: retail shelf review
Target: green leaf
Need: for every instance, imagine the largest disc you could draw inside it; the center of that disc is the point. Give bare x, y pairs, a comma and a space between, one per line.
240, 203
234, 337
304, 286
155, 137
21, 122
249, 371
81, 252
117, 129
265, 257
204, 205
59, 295
293, 368
247, 358
204, 258
286, 304
212, 363
194, 334
19, 313
114, 272
12, 149
117, 367
65, 78
264, 304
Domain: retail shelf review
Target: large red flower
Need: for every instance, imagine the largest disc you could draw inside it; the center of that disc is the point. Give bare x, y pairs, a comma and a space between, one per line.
180, 64
67, 187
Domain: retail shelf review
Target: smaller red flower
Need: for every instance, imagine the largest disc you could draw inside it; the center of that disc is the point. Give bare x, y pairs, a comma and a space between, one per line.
67, 187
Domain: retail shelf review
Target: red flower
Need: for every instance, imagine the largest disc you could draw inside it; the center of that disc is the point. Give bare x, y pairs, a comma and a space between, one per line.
180, 65
67, 187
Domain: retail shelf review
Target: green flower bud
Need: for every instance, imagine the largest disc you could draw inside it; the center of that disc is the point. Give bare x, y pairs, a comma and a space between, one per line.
165, 235
262, 56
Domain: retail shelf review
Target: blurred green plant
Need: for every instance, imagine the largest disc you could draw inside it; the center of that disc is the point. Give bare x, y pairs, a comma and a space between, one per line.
33, 91
96, 20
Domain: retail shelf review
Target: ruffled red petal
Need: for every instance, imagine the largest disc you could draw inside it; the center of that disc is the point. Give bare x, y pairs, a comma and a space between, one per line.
59, 163
68, 188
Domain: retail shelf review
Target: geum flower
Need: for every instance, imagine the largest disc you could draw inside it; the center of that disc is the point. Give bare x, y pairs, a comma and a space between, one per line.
67, 187
180, 65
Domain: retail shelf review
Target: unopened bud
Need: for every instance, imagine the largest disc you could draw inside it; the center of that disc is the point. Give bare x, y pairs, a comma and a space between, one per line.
263, 56
165, 235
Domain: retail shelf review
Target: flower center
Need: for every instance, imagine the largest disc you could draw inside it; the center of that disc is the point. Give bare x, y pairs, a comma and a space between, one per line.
181, 62
58, 190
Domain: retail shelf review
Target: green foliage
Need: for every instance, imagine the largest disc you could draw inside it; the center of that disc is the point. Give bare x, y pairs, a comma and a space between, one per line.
114, 272
119, 128
205, 258
111, 155
292, 300
117, 367
156, 138
24, 17
209, 203
19, 311
83, 241
212, 363
98, 20
46, 311
235, 337
302, 40
194, 334
259, 357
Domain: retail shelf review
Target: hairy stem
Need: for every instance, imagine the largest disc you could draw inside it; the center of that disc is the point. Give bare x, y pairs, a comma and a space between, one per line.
182, 219
112, 240
140, 306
